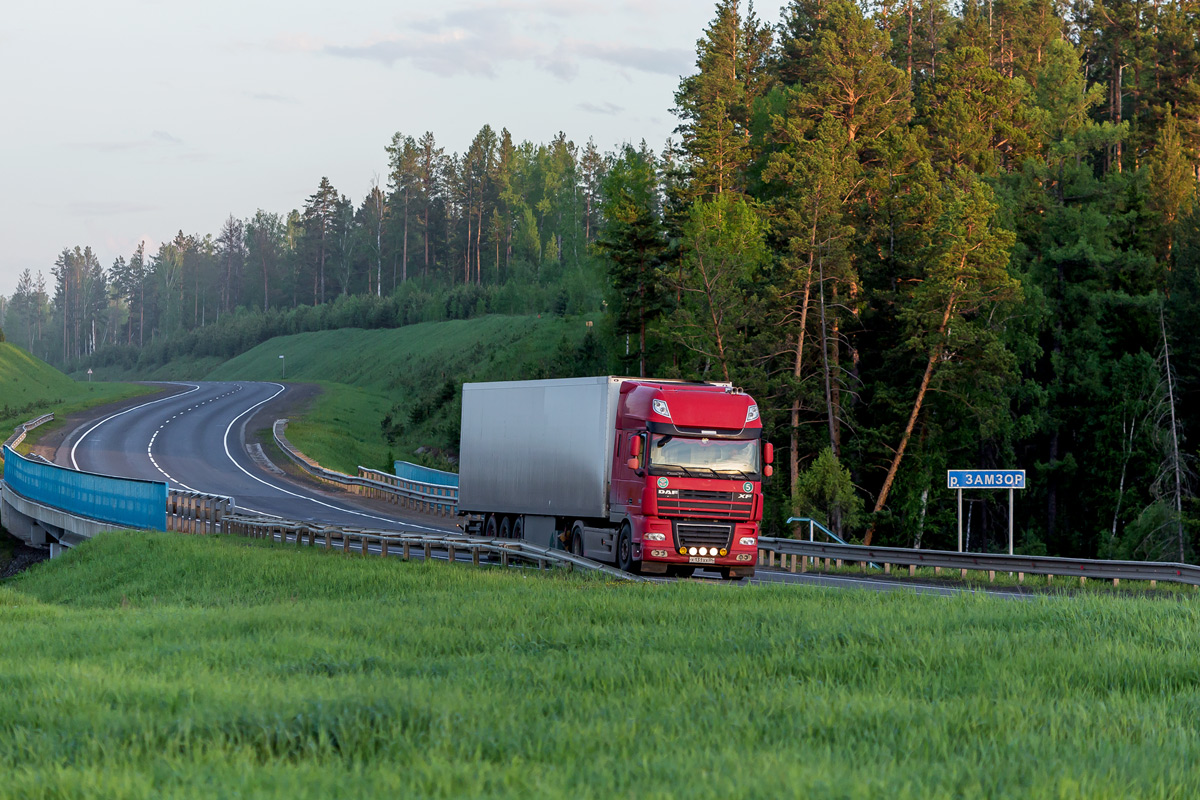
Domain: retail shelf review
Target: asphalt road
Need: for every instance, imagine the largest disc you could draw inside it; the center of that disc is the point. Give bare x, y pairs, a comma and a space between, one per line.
194, 440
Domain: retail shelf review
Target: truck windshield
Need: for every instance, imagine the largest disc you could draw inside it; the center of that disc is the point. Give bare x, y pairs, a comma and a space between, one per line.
734, 457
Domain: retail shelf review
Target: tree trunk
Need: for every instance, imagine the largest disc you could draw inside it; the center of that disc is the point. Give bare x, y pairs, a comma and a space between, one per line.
1176, 462
934, 355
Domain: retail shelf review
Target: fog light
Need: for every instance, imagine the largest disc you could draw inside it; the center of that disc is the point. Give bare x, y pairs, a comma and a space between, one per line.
748, 541
683, 551
655, 537
745, 556
724, 552
703, 551
691, 551
659, 553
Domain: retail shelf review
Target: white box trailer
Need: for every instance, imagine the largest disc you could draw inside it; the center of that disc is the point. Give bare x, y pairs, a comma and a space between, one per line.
538, 448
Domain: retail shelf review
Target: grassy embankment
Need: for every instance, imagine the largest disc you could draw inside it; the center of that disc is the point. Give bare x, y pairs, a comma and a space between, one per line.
190, 666
407, 376
29, 388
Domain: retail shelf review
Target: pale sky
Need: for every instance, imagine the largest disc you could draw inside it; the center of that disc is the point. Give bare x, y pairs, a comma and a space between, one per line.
134, 119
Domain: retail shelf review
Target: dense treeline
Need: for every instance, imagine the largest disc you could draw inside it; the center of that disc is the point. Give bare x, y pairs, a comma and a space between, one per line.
500, 215
939, 239
925, 238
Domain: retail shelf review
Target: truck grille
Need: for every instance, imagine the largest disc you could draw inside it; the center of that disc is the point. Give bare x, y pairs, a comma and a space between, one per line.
689, 534
704, 504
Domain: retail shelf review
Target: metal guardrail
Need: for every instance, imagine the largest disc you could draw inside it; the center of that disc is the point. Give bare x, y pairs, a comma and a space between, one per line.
417, 496
360, 540
197, 512
802, 552
21, 430
409, 488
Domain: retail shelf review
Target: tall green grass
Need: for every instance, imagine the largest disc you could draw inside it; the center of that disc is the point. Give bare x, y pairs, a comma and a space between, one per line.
150, 665
373, 379
29, 388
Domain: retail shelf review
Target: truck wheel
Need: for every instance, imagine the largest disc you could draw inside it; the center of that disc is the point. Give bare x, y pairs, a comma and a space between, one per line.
490, 528
625, 549
506, 528
518, 529
577, 541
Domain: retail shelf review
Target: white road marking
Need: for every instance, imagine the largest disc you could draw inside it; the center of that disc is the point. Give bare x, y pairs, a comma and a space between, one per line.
75, 464
294, 494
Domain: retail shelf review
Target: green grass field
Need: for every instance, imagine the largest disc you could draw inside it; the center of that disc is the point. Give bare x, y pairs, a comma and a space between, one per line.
30, 388
164, 665
367, 375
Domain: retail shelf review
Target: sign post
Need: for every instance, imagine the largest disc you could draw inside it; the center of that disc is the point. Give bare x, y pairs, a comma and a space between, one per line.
1011, 479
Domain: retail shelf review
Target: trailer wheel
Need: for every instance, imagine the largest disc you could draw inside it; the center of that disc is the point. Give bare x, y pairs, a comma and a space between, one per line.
518, 528
625, 548
506, 528
490, 528
577, 541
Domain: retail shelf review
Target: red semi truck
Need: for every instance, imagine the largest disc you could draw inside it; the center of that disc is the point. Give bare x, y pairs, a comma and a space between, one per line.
652, 475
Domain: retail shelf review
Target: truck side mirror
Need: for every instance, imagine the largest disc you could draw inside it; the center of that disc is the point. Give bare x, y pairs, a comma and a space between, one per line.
635, 446
770, 454
768, 471
633, 464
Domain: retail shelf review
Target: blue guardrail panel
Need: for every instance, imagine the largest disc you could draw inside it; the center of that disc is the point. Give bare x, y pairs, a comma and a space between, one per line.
121, 501
415, 472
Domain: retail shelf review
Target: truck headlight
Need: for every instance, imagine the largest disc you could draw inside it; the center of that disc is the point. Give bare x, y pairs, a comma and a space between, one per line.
655, 537
660, 408
748, 541
752, 412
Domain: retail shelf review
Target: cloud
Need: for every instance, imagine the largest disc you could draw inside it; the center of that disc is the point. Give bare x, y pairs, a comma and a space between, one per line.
106, 208
658, 60
266, 97
480, 38
155, 139
602, 108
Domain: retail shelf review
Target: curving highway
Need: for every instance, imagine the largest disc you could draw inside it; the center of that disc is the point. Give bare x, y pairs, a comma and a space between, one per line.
193, 439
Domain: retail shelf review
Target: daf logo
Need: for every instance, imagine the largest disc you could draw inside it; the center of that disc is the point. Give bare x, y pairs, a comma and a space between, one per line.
662, 483
747, 487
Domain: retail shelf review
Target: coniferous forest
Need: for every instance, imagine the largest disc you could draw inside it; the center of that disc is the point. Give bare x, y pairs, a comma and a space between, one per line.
924, 236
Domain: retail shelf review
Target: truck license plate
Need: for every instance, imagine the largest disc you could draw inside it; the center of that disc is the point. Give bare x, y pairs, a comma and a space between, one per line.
701, 560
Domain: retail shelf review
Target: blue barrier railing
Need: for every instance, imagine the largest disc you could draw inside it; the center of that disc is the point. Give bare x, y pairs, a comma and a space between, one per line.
812, 523
415, 472
121, 501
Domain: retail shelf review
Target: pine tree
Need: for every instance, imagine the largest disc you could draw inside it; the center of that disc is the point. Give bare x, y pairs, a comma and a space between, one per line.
632, 241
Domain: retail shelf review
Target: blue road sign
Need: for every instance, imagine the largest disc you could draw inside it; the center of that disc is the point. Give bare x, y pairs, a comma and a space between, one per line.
985, 479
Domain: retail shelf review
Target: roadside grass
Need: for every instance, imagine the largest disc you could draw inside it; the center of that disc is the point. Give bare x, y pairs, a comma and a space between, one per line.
979, 579
142, 665
30, 388
380, 382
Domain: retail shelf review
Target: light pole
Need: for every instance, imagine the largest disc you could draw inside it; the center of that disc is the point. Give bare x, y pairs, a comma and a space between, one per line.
283, 366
